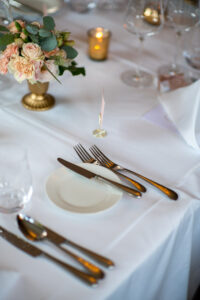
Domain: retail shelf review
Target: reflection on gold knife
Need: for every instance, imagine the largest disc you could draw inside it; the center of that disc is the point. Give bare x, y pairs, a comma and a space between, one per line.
89, 175
35, 252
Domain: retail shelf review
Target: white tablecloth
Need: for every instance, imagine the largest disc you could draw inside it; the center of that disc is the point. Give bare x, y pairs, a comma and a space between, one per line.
153, 241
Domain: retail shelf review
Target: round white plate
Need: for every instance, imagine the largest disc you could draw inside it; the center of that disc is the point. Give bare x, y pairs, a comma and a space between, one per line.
75, 193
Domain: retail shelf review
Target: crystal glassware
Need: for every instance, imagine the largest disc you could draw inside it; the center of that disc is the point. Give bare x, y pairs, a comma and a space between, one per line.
191, 51
15, 178
143, 18
112, 4
5, 12
182, 15
82, 6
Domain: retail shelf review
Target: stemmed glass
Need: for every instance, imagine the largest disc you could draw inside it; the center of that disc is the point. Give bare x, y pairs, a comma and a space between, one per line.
143, 18
15, 178
182, 15
6, 14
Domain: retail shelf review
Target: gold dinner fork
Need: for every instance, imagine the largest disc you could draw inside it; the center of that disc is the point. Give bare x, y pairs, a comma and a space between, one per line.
87, 158
105, 161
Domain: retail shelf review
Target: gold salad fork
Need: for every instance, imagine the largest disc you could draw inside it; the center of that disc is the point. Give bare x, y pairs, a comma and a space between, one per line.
105, 161
87, 158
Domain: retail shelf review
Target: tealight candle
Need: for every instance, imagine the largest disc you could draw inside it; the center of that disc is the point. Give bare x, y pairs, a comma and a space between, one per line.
99, 39
152, 16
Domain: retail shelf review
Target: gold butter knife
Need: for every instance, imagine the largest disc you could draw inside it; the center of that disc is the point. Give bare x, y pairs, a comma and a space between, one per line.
35, 252
89, 175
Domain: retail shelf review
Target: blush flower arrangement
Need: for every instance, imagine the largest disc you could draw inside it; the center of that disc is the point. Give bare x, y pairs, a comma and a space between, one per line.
37, 52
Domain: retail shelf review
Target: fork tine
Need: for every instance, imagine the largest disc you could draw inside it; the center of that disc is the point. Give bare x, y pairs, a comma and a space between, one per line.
85, 152
78, 153
98, 156
97, 149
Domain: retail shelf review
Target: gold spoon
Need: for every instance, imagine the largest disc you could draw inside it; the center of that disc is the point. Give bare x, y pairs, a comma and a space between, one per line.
34, 231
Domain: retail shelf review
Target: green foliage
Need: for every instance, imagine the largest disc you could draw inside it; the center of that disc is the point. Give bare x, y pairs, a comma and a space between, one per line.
75, 71
44, 32
5, 40
34, 38
49, 43
3, 29
32, 29
70, 51
18, 26
49, 23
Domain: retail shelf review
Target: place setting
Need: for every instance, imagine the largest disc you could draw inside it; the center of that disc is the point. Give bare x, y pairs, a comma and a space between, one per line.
93, 186
92, 194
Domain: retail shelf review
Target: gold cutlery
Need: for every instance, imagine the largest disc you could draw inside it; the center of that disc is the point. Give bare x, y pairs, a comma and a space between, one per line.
87, 158
34, 231
36, 252
105, 161
89, 175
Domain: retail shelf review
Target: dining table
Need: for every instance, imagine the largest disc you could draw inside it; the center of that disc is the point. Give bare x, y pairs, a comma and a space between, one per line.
154, 241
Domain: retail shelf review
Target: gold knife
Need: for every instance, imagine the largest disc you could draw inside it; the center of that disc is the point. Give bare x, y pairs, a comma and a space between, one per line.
59, 239
35, 252
89, 175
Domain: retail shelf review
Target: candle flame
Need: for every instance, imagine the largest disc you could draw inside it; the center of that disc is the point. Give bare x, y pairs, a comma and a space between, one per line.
99, 35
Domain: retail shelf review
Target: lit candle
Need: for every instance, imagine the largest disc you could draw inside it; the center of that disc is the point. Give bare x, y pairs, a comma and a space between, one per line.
99, 39
152, 16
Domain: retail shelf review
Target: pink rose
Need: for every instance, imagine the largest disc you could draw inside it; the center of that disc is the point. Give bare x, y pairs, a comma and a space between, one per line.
45, 75
51, 53
3, 64
21, 68
38, 64
11, 51
32, 51
12, 27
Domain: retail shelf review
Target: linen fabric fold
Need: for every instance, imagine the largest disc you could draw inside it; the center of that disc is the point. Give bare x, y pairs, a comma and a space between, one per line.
183, 109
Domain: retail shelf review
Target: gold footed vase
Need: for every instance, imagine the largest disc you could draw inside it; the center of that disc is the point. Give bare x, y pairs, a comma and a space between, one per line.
37, 99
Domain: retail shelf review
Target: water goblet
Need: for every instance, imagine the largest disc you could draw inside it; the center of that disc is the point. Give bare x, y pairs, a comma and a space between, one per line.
15, 178
182, 15
143, 18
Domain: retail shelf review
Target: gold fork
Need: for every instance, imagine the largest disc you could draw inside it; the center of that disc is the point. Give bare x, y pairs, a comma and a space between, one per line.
87, 158
105, 161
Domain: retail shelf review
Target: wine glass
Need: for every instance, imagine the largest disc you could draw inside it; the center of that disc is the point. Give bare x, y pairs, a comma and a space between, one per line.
15, 178
143, 18
82, 6
191, 50
182, 15
112, 4
6, 14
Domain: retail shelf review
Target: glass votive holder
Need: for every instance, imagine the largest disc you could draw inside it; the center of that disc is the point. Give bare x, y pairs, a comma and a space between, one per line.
99, 39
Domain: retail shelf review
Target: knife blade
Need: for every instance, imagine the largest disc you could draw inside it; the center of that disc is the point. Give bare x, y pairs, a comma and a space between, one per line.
89, 175
35, 252
59, 239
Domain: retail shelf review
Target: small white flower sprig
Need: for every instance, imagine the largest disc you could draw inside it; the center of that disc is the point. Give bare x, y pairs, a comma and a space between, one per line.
35, 52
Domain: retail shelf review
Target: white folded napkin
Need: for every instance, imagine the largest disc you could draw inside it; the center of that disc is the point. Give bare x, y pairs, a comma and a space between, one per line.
183, 109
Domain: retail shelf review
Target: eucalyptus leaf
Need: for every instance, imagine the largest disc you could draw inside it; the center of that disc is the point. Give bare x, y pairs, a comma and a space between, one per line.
3, 28
34, 38
5, 40
49, 43
70, 51
44, 32
49, 23
33, 29
75, 71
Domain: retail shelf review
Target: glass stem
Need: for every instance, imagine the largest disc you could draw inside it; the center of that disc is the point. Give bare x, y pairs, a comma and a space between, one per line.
177, 50
139, 54
8, 12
